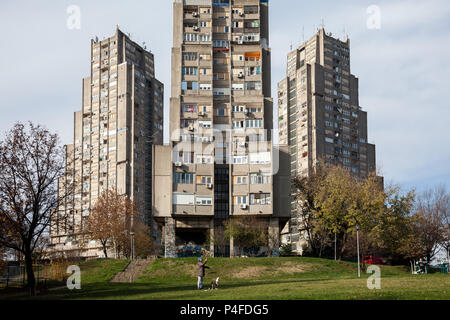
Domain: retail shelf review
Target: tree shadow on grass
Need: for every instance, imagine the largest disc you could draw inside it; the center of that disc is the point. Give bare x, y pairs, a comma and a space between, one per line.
123, 291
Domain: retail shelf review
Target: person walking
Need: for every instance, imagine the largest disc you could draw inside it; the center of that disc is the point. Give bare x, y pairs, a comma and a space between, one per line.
201, 272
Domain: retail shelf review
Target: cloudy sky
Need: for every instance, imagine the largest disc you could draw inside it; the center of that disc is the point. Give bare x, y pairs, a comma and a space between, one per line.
403, 66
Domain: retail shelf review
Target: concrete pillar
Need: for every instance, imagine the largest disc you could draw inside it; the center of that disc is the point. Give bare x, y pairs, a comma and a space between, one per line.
232, 255
274, 237
169, 238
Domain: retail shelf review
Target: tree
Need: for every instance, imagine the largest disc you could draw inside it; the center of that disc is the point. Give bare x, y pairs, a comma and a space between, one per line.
306, 190
431, 220
344, 201
144, 245
246, 232
110, 221
31, 163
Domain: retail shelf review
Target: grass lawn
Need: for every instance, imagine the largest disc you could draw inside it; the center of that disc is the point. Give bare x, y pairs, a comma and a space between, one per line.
254, 279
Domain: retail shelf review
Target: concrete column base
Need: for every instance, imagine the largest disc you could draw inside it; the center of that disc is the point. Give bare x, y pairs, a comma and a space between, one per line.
274, 237
169, 238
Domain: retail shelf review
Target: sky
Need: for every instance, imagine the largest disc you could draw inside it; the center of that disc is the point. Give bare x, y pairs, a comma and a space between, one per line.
400, 52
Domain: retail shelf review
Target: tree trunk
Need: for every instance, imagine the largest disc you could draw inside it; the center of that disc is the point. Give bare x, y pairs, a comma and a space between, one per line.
342, 249
105, 251
31, 280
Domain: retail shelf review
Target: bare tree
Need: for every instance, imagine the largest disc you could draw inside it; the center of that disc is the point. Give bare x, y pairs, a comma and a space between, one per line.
31, 162
110, 221
431, 220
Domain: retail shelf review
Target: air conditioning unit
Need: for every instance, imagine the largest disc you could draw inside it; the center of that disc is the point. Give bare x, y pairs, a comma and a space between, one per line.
243, 206
178, 164
240, 41
210, 186
191, 129
240, 75
195, 14
202, 113
243, 145
246, 112
242, 14
196, 28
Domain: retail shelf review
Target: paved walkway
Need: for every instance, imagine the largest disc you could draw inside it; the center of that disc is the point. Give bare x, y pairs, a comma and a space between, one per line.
133, 270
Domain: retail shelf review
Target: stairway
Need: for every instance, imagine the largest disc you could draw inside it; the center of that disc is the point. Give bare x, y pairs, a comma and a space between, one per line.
133, 270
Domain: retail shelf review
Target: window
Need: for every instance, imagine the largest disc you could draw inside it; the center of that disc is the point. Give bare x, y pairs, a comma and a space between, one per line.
221, 112
201, 159
240, 179
205, 124
190, 56
252, 85
205, 37
238, 108
183, 199
260, 199
188, 108
183, 178
190, 71
260, 158
253, 71
205, 86
204, 179
190, 37
189, 85
238, 124
253, 123
237, 86
256, 178
240, 160
329, 140
221, 44
183, 157
205, 57
240, 200
186, 123
203, 201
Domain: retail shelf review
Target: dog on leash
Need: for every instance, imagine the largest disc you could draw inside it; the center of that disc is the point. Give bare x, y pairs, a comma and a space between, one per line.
215, 284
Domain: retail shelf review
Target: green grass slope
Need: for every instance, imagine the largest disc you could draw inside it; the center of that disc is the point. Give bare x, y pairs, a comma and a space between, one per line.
255, 279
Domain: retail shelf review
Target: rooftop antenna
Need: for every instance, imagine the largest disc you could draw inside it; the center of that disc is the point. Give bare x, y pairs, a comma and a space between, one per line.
144, 45
96, 39
291, 46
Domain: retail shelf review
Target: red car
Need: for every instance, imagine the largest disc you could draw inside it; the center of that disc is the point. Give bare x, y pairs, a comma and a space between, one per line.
370, 259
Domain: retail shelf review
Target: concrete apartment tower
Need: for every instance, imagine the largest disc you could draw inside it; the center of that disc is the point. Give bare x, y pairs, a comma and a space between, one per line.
319, 115
219, 163
120, 120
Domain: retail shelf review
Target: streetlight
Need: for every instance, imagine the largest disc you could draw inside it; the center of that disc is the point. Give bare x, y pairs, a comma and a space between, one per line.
132, 245
357, 246
132, 256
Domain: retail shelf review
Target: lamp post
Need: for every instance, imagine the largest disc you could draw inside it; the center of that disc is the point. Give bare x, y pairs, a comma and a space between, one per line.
132, 245
132, 256
357, 246
335, 246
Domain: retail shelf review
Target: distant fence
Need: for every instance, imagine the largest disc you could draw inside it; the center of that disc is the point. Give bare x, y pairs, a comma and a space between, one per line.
13, 276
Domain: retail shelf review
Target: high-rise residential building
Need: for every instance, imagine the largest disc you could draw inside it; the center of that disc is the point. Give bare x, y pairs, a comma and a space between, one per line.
220, 162
320, 118
120, 120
